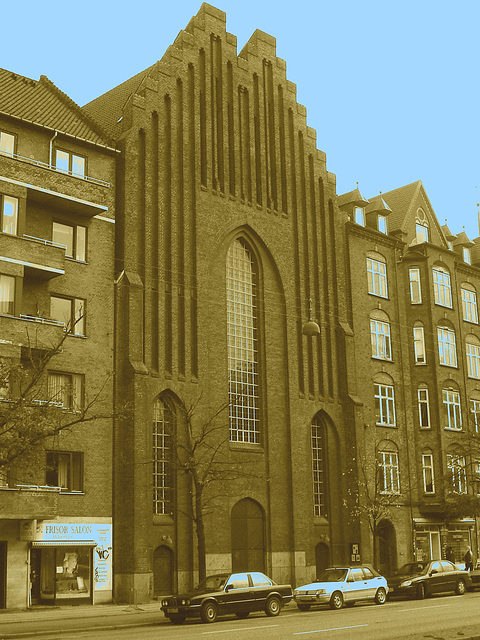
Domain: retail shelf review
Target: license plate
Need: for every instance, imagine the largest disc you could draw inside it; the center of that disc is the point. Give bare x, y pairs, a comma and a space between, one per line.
172, 610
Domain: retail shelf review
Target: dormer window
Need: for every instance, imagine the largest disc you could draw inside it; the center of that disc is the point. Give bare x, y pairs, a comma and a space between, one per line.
421, 226
450, 245
360, 216
382, 224
467, 257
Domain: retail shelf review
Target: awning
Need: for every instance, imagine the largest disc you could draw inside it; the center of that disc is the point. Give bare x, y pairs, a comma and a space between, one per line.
64, 543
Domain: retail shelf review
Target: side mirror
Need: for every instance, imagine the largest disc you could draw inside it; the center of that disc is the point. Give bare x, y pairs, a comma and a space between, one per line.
433, 571
229, 587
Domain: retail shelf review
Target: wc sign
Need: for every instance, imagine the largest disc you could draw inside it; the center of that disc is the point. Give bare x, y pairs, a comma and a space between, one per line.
355, 552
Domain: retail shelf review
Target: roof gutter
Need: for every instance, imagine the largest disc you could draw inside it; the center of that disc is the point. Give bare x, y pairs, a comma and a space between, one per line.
57, 131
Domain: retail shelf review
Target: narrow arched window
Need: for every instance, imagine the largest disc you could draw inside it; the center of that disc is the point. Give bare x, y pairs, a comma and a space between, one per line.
163, 430
242, 344
319, 468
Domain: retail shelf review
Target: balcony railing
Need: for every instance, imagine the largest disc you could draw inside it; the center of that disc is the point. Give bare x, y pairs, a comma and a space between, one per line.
52, 167
47, 243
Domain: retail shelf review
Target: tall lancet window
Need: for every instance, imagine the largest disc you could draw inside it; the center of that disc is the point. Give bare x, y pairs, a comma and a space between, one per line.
242, 344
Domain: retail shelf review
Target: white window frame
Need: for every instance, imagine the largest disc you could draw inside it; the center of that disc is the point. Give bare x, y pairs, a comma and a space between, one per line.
421, 231
359, 215
415, 286
162, 464
452, 409
428, 473
423, 408
7, 144
447, 350
473, 360
419, 345
7, 294
469, 305
74, 320
382, 224
9, 222
380, 339
389, 472
76, 247
475, 411
384, 404
442, 287
377, 277
467, 255
456, 466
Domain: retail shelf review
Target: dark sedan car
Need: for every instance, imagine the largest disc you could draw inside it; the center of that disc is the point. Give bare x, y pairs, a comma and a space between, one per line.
422, 579
223, 593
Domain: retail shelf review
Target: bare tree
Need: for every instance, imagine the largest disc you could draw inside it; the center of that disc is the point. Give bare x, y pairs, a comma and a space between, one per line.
30, 412
372, 502
200, 451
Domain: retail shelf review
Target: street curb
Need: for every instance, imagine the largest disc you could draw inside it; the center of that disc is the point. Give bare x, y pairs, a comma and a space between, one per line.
115, 627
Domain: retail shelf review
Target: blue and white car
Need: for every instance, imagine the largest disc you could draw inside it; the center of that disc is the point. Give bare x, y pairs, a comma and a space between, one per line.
339, 586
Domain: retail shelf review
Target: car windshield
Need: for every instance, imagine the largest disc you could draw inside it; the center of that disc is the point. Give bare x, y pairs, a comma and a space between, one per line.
213, 583
412, 568
332, 575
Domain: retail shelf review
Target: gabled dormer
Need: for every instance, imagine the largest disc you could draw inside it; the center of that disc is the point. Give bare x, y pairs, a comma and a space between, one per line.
354, 204
449, 236
376, 213
462, 247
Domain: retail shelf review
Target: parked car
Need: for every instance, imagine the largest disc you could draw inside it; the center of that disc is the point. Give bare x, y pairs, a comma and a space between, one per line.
337, 586
223, 593
422, 579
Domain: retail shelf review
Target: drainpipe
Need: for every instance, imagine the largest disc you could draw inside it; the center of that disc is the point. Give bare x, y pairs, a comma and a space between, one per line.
51, 147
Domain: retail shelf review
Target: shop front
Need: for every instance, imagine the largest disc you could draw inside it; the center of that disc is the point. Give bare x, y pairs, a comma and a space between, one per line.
69, 562
435, 540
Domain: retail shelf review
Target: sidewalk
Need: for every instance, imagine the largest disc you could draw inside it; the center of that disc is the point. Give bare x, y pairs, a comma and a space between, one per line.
36, 620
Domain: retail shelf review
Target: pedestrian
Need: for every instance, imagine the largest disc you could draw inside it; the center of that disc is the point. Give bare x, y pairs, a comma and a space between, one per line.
450, 554
468, 557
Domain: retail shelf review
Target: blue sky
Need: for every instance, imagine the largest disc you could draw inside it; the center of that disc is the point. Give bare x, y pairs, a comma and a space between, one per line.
392, 88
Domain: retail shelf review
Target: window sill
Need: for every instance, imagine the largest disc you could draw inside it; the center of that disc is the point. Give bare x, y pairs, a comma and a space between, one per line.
251, 447
162, 518
454, 429
389, 426
382, 359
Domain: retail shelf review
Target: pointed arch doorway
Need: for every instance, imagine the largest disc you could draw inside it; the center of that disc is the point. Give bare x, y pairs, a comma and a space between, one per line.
162, 571
248, 536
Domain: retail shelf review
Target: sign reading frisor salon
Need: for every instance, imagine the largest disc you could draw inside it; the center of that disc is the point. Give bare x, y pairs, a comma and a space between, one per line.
88, 532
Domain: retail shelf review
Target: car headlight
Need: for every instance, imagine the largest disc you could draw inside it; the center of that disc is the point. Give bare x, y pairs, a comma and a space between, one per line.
164, 603
320, 592
185, 602
406, 583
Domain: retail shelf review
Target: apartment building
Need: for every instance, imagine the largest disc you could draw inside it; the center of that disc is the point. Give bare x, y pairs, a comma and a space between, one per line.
57, 175
413, 309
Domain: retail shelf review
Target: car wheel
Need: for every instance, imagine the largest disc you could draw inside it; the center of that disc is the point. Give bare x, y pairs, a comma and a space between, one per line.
421, 591
461, 587
177, 619
336, 601
272, 607
208, 612
242, 614
381, 596
303, 607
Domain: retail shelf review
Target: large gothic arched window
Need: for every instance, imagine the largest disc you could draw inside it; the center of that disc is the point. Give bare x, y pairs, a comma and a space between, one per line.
242, 344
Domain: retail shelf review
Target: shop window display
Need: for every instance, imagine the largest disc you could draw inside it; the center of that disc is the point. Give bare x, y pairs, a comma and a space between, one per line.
65, 573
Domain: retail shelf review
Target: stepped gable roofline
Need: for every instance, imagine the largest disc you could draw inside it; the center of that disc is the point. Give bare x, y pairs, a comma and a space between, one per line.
447, 233
378, 205
352, 198
463, 240
41, 103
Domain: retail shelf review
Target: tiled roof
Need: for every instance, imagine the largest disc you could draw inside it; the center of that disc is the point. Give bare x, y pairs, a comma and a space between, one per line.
41, 102
352, 197
107, 109
400, 201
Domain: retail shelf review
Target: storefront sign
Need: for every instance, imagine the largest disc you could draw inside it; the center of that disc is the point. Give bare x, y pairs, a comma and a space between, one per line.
101, 534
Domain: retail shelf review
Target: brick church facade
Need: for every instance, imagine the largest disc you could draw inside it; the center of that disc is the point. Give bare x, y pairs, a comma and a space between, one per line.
283, 355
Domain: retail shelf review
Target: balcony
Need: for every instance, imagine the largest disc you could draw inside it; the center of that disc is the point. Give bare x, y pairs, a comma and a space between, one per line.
29, 331
29, 502
57, 189
40, 258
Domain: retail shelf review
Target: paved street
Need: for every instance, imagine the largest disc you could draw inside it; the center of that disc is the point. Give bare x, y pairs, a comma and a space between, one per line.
439, 618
